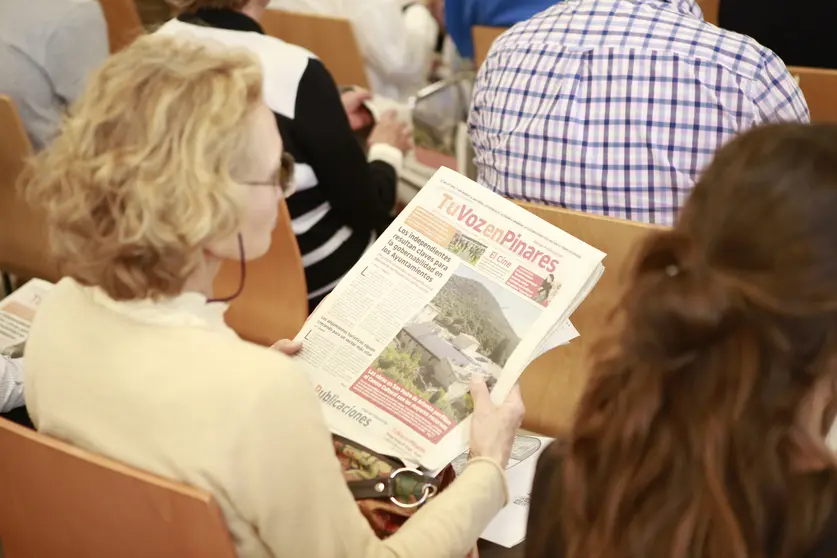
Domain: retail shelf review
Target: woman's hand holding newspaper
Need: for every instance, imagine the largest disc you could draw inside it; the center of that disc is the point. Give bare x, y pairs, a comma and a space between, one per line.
287, 347
493, 428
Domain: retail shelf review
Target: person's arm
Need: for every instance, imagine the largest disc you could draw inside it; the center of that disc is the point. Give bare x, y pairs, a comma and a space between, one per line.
776, 94
77, 47
362, 192
289, 485
11, 384
398, 43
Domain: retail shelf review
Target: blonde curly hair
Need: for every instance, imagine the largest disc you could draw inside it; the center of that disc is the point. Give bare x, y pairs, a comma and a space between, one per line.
139, 180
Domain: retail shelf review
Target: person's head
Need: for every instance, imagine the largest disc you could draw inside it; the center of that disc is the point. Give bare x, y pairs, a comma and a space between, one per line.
701, 432
237, 5
166, 158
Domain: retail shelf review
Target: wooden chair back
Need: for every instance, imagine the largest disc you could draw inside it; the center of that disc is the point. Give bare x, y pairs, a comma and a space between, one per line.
710, 10
484, 37
553, 384
124, 23
274, 302
24, 249
331, 39
62, 501
820, 89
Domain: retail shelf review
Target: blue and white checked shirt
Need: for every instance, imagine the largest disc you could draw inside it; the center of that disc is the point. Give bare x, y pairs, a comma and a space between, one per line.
615, 106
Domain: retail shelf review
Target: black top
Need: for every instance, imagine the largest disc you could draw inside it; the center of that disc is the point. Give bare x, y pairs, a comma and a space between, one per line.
800, 32
542, 503
341, 198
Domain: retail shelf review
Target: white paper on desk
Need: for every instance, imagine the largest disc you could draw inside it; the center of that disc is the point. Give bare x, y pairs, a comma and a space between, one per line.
508, 528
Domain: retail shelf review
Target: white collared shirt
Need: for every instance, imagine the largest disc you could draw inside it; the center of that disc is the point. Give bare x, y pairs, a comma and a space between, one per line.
397, 39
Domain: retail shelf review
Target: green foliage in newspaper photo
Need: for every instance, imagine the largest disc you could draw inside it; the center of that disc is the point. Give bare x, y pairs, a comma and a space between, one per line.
465, 330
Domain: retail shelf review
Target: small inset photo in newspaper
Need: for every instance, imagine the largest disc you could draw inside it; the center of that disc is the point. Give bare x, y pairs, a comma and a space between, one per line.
470, 327
540, 288
466, 248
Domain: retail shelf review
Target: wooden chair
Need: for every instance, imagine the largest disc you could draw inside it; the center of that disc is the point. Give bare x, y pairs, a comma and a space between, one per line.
61, 501
484, 37
820, 89
710, 10
552, 385
24, 250
331, 39
274, 302
124, 23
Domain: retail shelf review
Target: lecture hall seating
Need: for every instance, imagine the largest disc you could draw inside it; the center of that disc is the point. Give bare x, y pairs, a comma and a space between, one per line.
123, 21
553, 384
274, 303
24, 249
331, 39
60, 501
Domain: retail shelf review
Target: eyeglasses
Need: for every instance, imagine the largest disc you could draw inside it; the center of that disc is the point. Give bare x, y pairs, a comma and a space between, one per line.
284, 177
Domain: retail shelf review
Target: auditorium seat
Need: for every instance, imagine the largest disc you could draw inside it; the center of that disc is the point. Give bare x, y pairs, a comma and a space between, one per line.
553, 384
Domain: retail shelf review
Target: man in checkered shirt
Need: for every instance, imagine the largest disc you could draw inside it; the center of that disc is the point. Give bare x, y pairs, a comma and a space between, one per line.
615, 106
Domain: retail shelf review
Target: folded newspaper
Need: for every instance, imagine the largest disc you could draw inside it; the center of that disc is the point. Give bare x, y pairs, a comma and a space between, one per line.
463, 282
16, 314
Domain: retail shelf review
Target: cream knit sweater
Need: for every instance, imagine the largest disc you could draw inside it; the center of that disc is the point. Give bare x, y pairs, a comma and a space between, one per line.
166, 387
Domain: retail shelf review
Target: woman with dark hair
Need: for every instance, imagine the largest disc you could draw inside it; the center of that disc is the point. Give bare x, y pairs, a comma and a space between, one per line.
702, 430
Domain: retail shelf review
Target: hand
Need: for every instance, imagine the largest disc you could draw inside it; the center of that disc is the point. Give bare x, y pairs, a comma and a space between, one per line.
359, 115
493, 428
287, 347
392, 131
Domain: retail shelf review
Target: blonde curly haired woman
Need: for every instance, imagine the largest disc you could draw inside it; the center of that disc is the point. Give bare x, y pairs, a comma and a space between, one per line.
166, 165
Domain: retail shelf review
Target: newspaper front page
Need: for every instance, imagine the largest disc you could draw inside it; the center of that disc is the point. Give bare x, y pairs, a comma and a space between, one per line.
463, 282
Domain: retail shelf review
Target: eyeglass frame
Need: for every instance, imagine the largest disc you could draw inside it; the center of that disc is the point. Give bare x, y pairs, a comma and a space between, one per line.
283, 178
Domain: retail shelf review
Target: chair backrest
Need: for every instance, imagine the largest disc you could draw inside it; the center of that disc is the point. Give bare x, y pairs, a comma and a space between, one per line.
24, 249
483, 39
61, 501
274, 302
124, 23
331, 39
710, 10
552, 385
820, 89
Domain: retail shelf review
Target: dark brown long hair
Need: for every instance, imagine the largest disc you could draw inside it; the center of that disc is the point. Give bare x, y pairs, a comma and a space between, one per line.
687, 442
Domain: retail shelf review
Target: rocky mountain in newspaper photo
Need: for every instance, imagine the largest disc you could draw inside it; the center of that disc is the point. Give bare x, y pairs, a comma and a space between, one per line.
470, 327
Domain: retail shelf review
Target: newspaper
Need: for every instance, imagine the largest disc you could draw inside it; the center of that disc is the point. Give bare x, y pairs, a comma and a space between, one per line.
463, 282
508, 528
17, 312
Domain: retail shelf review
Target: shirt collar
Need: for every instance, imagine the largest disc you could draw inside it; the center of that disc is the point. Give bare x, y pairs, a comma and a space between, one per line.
189, 309
222, 19
687, 7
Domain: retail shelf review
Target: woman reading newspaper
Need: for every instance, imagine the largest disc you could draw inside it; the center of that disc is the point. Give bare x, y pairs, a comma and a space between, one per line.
169, 163
702, 433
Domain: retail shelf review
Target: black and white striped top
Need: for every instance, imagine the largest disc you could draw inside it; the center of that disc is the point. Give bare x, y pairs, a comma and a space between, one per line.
341, 198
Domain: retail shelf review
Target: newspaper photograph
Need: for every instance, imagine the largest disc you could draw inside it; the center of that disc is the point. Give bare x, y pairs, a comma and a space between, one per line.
463, 282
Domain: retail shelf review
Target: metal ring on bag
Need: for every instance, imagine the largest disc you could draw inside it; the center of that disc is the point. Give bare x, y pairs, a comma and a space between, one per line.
428, 492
